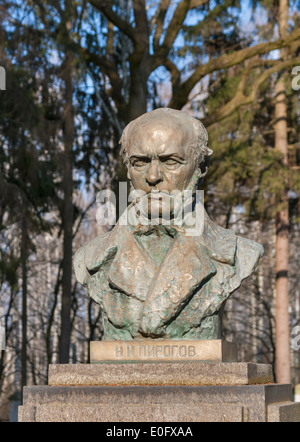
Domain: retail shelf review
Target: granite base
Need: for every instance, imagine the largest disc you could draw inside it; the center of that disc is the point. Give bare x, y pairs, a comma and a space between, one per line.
160, 392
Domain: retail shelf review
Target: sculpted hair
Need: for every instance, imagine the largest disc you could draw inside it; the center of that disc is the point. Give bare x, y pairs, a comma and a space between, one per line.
199, 146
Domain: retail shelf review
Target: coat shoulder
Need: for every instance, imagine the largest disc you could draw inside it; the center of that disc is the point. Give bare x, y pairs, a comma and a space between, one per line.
86, 254
248, 255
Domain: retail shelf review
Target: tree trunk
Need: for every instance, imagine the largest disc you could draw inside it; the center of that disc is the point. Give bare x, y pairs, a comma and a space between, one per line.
68, 132
282, 222
137, 104
24, 257
50, 322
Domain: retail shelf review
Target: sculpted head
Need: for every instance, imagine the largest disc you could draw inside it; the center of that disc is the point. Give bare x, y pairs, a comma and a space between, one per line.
165, 150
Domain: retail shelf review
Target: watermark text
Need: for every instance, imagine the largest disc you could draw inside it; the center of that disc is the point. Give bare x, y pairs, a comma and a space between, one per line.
2, 338
182, 209
295, 341
2, 79
296, 79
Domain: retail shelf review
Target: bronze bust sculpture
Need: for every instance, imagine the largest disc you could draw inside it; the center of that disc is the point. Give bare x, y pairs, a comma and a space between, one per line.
154, 279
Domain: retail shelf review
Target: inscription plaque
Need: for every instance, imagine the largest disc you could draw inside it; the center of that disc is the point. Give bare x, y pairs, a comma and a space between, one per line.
215, 350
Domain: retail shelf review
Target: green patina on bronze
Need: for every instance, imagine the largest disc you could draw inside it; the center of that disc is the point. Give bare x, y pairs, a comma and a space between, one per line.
156, 281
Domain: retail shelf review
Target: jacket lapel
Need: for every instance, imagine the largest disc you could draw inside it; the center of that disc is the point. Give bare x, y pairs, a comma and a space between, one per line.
132, 270
186, 267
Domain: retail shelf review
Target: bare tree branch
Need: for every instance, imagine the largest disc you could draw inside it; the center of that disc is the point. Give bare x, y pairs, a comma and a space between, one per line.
104, 7
159, 21
174, 71
110, 69
225, 61
175, 25
240, 99
141, 21
110, 38
197, 3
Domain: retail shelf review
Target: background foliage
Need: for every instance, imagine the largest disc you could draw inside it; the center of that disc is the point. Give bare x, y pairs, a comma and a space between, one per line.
77, 71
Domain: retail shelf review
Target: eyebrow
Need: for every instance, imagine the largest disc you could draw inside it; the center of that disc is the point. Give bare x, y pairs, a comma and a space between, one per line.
140, 157
174, 154
162, 155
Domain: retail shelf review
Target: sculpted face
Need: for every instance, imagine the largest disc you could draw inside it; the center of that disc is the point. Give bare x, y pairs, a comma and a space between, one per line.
161, 160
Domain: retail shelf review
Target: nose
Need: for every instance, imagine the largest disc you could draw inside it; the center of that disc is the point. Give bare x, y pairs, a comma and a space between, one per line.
154, 175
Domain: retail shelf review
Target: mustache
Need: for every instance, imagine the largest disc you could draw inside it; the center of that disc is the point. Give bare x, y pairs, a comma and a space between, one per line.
156, 192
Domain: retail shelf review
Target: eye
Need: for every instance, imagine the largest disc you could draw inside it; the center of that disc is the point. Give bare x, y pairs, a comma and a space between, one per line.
170, 162
140, 162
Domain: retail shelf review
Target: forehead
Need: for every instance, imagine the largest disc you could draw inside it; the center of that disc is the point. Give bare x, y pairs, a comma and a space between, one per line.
159, 136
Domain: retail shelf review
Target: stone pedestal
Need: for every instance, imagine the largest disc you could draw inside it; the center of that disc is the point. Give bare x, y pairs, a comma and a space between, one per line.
239, 403
165, 391
160, 373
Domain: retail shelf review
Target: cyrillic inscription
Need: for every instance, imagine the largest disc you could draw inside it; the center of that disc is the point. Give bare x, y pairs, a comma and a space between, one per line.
163, 350
155, 351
